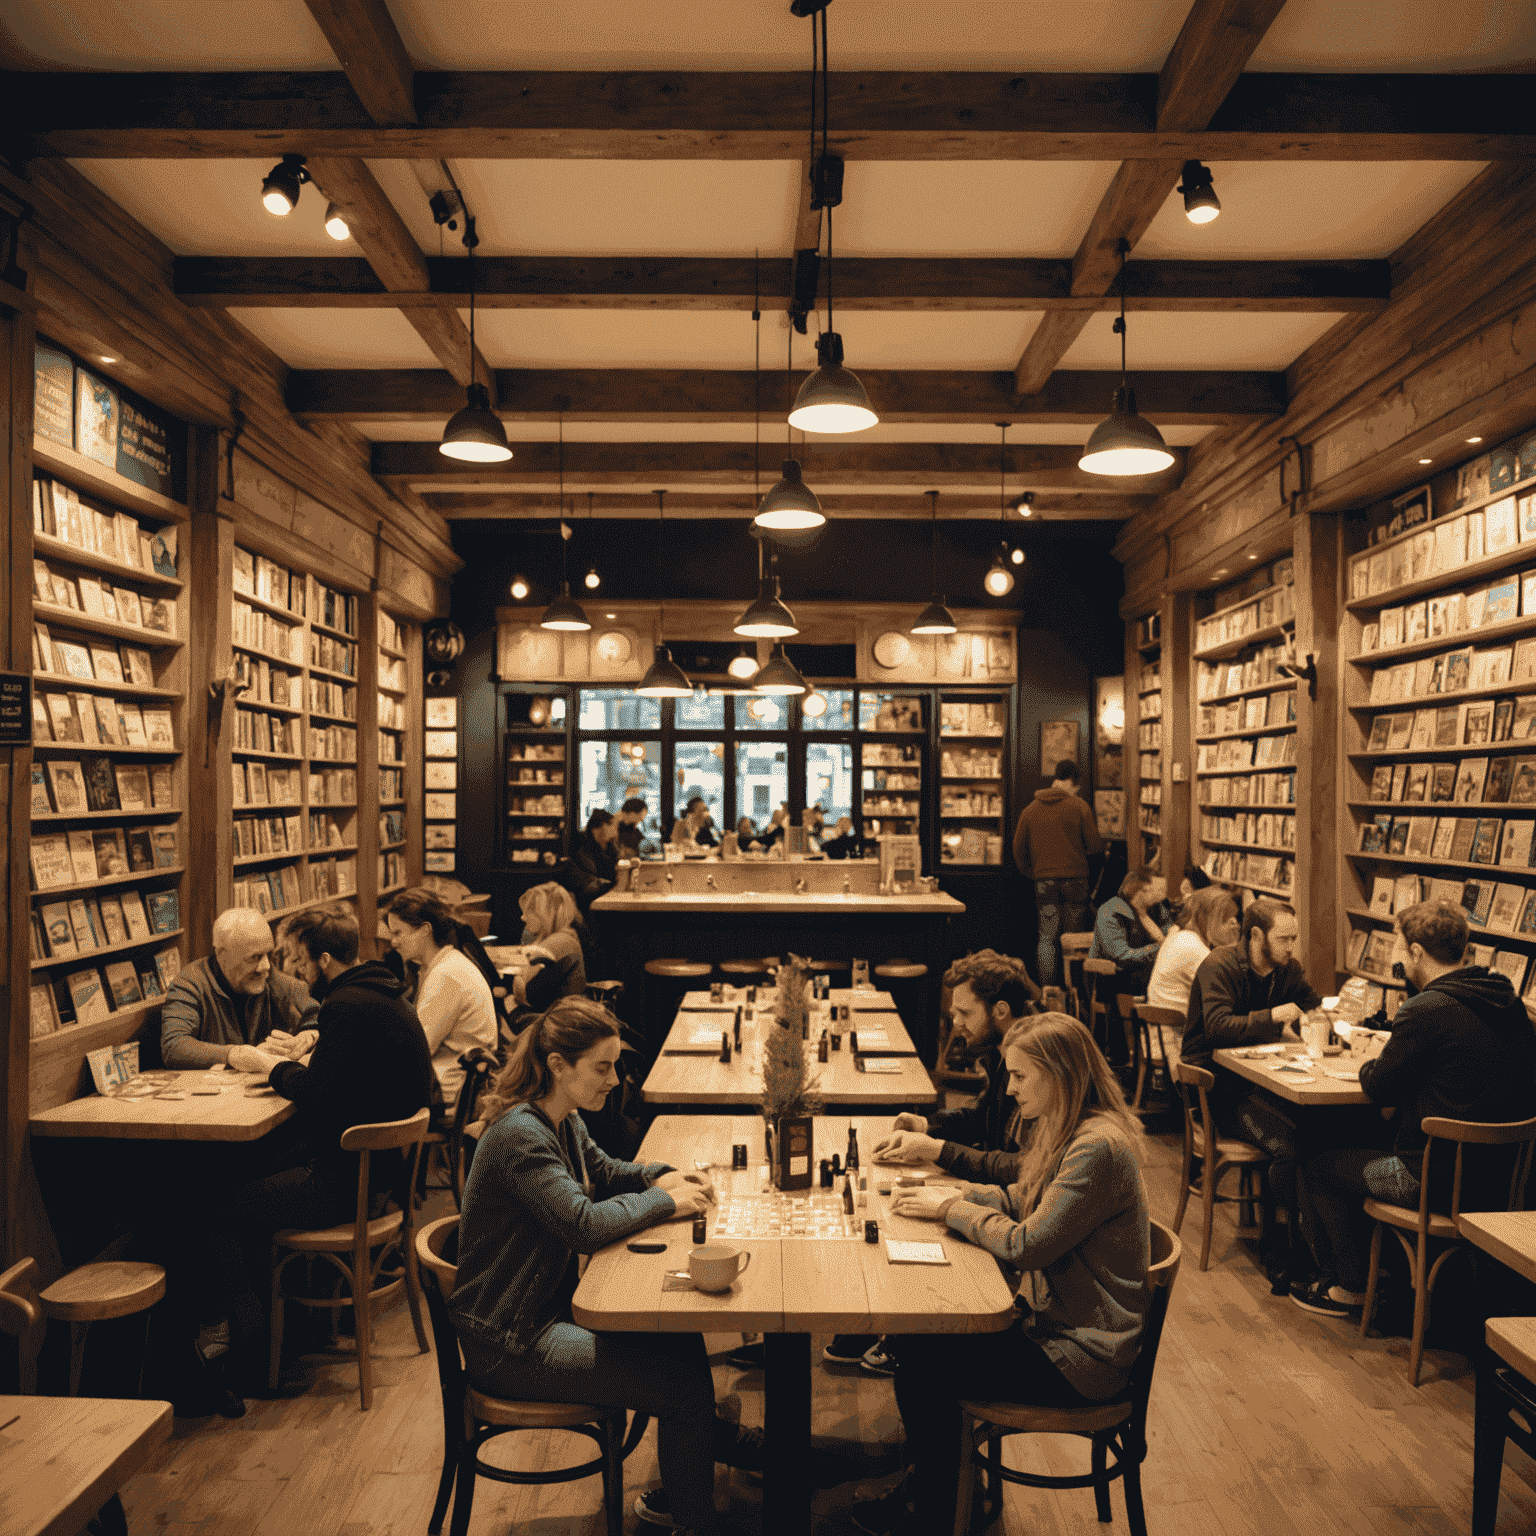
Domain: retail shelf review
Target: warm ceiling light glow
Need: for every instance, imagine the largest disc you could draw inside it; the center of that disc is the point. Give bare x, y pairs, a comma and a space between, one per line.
791, 504
1426, 461
665, 679
935, 619
1016, 555
832, 399
779, 675
1201, 204
336, 225
1253, 557
999, 579
592, 580
814, 705
1470, 439
742, 666
768, 617
1125, 443
280, 188
476, 434
565, 613
520, 589
113, 360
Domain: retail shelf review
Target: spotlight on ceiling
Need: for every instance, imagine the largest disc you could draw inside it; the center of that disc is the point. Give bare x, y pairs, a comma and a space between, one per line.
743, 665
336, 225
280, 189
1024, 504
1201, 204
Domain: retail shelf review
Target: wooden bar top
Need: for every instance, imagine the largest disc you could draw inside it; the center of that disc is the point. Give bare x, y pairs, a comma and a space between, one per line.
64, 1457
819, 903
224, 1115
1323, 1089
1510, 1236
795, 1285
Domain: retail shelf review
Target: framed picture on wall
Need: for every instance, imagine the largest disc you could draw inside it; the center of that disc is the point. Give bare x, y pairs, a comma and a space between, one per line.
442, 714
441, 835
442, 743
441, 807
1058, 743
442, 775
439, 862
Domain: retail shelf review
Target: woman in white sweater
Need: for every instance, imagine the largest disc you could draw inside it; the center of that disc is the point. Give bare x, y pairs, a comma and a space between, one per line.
1206, 922
453, 1000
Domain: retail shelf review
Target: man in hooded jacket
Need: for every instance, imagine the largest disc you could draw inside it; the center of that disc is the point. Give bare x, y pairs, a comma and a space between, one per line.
1052, 843
1461, 1047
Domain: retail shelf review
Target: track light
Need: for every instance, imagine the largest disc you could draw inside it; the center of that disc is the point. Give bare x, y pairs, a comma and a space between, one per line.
474, 434
336, 225
779, 677
519, 588
665, 679
1201, 204
280, 189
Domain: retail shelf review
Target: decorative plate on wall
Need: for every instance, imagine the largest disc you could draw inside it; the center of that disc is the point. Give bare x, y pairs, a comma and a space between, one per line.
614, 648
892, 649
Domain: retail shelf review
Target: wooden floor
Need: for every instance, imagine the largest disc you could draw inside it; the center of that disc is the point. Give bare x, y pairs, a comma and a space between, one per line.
1265, 1421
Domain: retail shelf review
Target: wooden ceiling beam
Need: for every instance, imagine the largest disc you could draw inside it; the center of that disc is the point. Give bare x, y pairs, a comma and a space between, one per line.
916, 466
895, 115
1201, 70
384, 395
727, 283
367, 45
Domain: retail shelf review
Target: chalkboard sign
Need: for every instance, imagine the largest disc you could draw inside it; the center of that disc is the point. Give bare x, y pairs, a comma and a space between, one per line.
53, 410
149, 446
15, 709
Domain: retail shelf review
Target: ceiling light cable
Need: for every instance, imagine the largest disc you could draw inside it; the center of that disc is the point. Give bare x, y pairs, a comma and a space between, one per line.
476, 432
999, 579
565, 613
935, 619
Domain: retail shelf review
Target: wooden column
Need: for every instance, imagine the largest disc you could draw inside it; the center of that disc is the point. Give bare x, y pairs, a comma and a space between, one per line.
1130, 753
1178, 613
1318, 561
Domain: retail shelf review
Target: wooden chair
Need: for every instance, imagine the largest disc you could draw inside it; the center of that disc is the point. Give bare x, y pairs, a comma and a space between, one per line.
1116, 1430
1200, 1136
472, 1419
1097, 978
1425, 1224
370, 1242
1505, 1410
1074, 950
1142, 1024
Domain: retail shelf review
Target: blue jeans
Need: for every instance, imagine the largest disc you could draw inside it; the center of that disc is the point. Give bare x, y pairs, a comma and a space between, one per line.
1333, 1186
1061, 906
663, 1374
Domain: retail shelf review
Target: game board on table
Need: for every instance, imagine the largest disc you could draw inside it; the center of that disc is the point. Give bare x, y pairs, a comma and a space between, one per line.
815, 1214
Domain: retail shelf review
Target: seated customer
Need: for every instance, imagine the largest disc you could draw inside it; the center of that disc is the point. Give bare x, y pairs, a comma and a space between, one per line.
453, 1000
1247, 994
1194, 879
560, 944
630, 837
1070, 1215
746, 833
221, 1006
1126, 934
1461, 1048
844, 843
594, 864
370, 1065
1207, 920
540, 1194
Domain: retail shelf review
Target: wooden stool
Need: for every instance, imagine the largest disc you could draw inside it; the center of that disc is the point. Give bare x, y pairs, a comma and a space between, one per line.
907, 982
670, 979
831, 969
1505, 1410
1216, 1153
745, 973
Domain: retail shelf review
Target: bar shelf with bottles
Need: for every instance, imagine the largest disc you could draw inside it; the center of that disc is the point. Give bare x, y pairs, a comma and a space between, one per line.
893, 735
537, 766
972, 728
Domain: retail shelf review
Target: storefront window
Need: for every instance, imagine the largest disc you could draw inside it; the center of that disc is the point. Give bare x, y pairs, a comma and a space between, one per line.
618, 709
829, 778
703, 712
761, 712
762, 781
827, 709
700, 770
611, 772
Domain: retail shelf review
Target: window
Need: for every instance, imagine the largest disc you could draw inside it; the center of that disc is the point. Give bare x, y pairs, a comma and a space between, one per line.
611, 772
762, 781
617, 709
703, 712
837, 716
700, 770
890, 712
829, 778
762, 712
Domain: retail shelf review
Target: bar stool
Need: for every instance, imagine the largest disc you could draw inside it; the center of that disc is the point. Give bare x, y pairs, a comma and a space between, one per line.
837, 972
609, 993
906, 981
745, 973
668, 981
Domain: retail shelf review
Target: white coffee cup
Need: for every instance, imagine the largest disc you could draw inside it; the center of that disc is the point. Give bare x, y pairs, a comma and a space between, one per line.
714, 1266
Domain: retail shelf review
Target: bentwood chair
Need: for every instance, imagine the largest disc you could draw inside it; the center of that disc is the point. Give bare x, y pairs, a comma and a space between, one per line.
1424, 1224
1098, 979
1115, 1430
1505, 1410
1217, 1155
1144, 1024
371, 1243
471, 1419
1074, 950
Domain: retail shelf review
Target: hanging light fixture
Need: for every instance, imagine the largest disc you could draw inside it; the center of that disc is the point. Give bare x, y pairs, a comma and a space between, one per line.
935, 619
565, 612
519, 587
280, 186
474, 434
665, 679
743, 664
832, 399
814, 704
779, 677
999, 579
790, 506
336, 225
1201, 204
591, 580
1125, 443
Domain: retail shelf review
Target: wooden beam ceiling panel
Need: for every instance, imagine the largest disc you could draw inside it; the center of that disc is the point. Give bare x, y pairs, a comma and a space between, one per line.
1201, 70
902, 465
727, 283
363, 36
895, 115
384, 395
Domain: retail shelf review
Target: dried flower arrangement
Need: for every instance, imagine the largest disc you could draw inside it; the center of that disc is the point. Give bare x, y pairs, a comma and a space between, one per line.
787, 1089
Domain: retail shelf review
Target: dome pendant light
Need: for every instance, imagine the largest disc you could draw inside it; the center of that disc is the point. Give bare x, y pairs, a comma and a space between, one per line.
790, 506
935, 619
565, 612
832, 399
592, 579
1201, 204
998, 581
779, 676
1125, 443
665, 679
475, 434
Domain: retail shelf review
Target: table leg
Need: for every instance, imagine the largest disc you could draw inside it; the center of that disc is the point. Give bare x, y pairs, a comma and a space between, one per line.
787, 1431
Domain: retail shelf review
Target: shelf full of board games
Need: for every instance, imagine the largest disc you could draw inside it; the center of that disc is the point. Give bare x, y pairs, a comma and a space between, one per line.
972, 728
1439, 717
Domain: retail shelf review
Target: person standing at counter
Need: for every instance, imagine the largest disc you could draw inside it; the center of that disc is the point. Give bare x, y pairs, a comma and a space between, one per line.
1052, 844
594, 864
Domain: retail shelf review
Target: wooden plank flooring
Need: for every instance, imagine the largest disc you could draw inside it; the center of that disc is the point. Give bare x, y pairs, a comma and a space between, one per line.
1265, 1421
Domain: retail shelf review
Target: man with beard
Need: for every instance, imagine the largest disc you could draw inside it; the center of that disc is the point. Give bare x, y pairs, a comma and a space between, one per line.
1250, 993
369, 1065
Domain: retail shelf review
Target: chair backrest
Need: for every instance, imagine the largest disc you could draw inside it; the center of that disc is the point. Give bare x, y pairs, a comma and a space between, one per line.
432, 1243
386, 1136
1096, 967
1520, 1134
1162, 1271
1076, 941
1198, 1111
438, 1276
21, 1316
1169, 1018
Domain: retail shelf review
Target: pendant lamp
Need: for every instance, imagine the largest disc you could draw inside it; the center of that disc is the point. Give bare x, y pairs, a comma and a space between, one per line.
790, 506
665, 679
475, 434
779, 677
1125, 443
832, 399
565, 612
935, 619
998, 581
592, 579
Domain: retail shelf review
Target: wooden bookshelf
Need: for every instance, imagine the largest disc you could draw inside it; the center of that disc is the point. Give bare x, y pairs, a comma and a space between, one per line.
973, 734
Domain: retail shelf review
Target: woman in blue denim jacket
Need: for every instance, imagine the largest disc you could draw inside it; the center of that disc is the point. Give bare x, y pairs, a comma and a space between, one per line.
539, 1195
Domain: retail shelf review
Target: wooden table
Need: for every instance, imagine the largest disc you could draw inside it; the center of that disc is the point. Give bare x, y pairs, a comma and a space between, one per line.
1510, 1236
64, 1457
685, 1073
228, 1115
792, 1288
1286, 1085
768, 997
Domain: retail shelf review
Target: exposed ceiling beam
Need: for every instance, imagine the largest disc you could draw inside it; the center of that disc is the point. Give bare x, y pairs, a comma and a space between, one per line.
1202, 68
396, 259
727, 283
363, 36
737, 465
898, 115
383, 395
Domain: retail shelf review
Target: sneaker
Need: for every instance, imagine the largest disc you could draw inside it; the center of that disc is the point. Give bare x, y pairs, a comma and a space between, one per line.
849, 1348
877, 1362
653, 1509
746, 1357
1326, 1299
739, 1445
885, 1516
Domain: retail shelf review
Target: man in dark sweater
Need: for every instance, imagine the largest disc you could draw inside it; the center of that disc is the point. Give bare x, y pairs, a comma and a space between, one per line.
1052, 844
371, 1064
1461, 1048
1248, 993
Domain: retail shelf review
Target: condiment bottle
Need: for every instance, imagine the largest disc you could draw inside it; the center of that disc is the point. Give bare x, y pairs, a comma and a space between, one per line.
821, 1047
725, 1046
848, 1195
852, 1159
738, 1028
700, 1231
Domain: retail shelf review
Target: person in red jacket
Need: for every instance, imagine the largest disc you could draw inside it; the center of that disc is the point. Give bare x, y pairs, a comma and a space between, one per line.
1052, 844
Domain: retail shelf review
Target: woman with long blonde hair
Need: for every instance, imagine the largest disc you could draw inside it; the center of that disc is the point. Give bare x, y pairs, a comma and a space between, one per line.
1069, 1213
